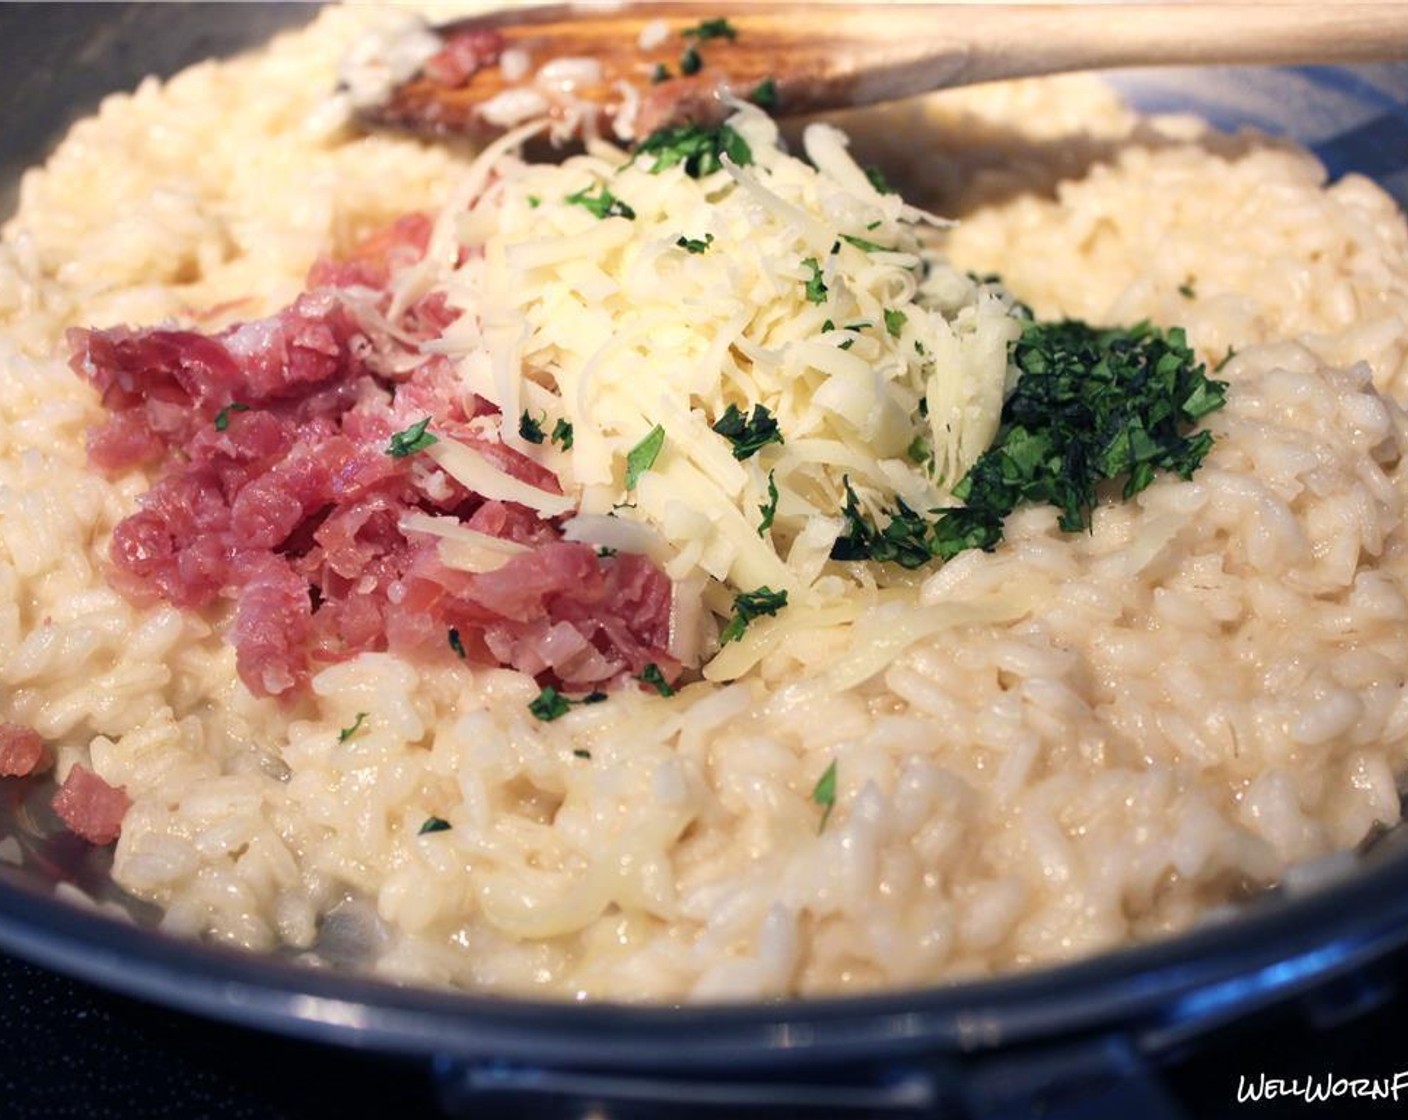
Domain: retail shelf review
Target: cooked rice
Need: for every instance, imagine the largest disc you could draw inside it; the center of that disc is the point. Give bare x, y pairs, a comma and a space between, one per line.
1202, 692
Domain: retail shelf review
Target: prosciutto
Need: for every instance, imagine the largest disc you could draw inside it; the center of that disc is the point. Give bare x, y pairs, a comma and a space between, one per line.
274, 489
90, 807
22, 751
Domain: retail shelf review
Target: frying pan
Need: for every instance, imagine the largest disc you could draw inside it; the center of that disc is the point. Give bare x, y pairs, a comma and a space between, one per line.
1065, 1040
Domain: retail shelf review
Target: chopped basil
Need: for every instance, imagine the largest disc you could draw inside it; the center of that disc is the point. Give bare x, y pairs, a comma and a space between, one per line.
534, 201
1186, 289
551, 704
581, 752
347, 732
711, 29
700, 150
457, 643
604, 553
643, 455
764, 94
824, 794
816, 286
603, 205
562, 434
769, 508
895, 321
827, 327
691, 62
748, 605
222, 418
694, 244
530, 429
413, 439
661, 73
434, 824
656, 680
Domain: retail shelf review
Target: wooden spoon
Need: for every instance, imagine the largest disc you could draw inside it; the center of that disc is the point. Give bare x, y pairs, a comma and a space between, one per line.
633, 68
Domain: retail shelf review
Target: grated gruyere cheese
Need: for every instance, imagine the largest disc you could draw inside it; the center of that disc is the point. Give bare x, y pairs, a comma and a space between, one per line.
792, 284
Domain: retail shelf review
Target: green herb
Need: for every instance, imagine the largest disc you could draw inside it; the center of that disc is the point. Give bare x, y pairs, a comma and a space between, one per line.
847, 344
769, 508
862, 244
764, 94
581, 752
434, 824
700, 150
530, 429
749, 435
562, 434
878, 180
534, 201
457, 644
876, 224
656, 680
604, 553
661, 73
643, 455
827, 327
816, 286
711, 29
895, 321
1227, 357
919, 348
824, 794
919, 451
748, 605
222, 418
691, 62
694, 244
550, 704
1186, 289
413, 439
864, 324
1090, 406
347, 732
603, 205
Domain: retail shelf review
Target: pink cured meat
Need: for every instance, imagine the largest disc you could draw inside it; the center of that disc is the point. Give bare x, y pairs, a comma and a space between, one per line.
463, 56
274, 489
90, 807
21, 751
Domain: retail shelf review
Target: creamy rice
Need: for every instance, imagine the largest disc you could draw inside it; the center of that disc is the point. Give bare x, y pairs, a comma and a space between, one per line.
1202, 692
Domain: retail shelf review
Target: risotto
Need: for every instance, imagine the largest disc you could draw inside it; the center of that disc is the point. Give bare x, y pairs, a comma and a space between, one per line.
759, 764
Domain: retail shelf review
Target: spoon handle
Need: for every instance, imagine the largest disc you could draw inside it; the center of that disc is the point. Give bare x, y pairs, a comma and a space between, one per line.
878, 53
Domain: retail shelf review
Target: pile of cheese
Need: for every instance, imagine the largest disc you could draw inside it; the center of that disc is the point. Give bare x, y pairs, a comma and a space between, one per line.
800, 285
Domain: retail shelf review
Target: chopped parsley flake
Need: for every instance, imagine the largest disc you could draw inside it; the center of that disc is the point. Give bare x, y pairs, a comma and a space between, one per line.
550, 704
769, 508
816, 286
534, 201
1227, 357
862, 244
1091, 406
603, 205
347, 732
1186, 289
457, 644
562, 434
653, 677
711, 29
824, 794
895, 321
691, 62
694, 244
413, 439
530, 429
643, 455
434, 824
749, 435
878, 180
582, 752
222, 418
764, 94
748, 605
700, 150
661, 73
